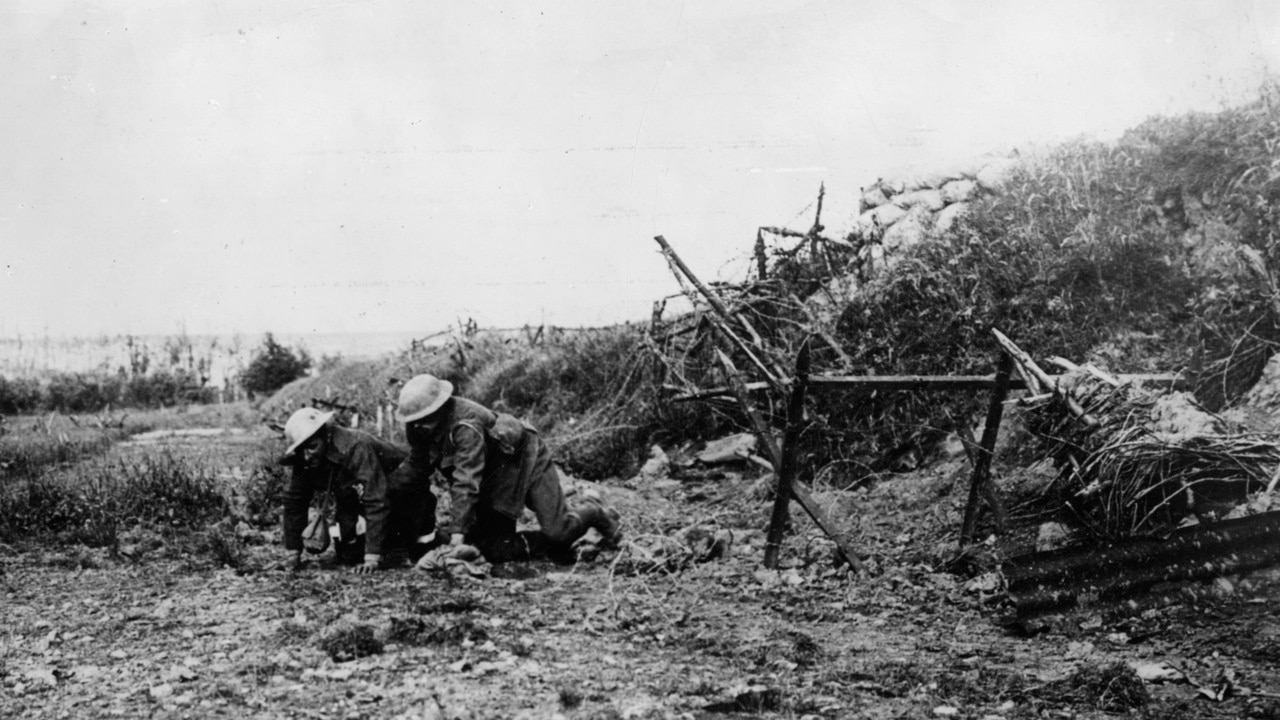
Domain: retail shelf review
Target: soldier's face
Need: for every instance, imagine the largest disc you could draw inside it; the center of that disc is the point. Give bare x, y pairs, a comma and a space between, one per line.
312, 451
419, 431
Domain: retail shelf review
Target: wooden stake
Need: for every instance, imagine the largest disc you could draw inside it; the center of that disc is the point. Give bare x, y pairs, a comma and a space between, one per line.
989, 493
770, 446
762, 266
986, 450
786, 468
817, 222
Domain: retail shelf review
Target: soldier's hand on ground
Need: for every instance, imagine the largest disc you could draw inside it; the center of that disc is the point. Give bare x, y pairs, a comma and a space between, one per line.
371, 564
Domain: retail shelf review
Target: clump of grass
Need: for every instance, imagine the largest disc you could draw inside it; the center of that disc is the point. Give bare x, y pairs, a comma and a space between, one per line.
899, 678
412, 630
224, 548
1113, 688
345, 640
570, 697
260, 498
454, 633
985, 685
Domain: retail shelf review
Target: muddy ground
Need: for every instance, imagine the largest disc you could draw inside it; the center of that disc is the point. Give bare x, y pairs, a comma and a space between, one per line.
164, 627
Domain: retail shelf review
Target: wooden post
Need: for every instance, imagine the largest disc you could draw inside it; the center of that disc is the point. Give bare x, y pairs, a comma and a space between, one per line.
986, 449
817, 222
776, 459
786, 469
762, 265
971, 450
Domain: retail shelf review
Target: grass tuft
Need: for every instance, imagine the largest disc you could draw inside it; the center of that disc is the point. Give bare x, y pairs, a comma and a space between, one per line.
345, 640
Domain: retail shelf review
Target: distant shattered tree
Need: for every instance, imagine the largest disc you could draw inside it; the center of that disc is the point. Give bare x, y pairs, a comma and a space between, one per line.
273, 366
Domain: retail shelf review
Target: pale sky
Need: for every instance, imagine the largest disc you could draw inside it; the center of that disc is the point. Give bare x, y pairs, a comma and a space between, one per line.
394, 165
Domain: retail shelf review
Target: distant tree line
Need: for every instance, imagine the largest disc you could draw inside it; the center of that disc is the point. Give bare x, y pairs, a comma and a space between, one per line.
185, 380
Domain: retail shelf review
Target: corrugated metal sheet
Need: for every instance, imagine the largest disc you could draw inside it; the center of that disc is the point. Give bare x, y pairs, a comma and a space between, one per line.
1107, 573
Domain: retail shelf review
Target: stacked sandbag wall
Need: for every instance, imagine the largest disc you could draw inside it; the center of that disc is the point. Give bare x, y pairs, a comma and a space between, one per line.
895, 214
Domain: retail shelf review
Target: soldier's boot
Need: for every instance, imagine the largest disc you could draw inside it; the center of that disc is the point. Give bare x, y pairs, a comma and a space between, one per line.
596, 514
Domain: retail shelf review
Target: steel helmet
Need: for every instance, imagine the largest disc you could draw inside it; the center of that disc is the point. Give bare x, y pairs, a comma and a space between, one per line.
421, 396
302, 425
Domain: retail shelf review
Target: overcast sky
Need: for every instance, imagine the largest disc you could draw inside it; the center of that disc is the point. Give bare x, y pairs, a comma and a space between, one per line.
394, 165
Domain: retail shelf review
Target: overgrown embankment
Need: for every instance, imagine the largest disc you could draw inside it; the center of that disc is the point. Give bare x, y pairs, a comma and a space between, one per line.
1156, 252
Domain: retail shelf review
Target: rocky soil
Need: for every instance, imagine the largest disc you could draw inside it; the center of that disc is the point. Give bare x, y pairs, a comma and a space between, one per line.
174, 628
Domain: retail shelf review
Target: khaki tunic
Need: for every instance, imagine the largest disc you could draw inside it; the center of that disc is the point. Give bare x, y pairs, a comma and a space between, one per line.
357, 465
483, 457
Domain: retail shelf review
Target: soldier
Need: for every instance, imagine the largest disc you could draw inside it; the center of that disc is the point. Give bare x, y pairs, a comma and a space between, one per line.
357, 468
494, 466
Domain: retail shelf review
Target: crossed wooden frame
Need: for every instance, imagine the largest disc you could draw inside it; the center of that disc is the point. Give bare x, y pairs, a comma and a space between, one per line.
783, 458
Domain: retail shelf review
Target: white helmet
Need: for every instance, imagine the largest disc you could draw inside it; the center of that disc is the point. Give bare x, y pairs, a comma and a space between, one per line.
302, 425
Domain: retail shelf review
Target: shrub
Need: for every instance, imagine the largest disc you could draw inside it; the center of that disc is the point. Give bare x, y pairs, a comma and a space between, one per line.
273, 366
18, 395
82, 392
165, 388
263, 491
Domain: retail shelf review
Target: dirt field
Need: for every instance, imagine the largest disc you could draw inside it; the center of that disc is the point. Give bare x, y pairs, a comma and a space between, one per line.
164, 631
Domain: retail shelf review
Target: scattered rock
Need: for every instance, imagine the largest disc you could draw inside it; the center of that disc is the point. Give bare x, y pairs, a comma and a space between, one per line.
728, 449
1051, 536
657, 466
41, 676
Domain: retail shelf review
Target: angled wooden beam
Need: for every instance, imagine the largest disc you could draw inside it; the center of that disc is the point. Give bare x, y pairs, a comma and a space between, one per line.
727, 318
1028, 365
